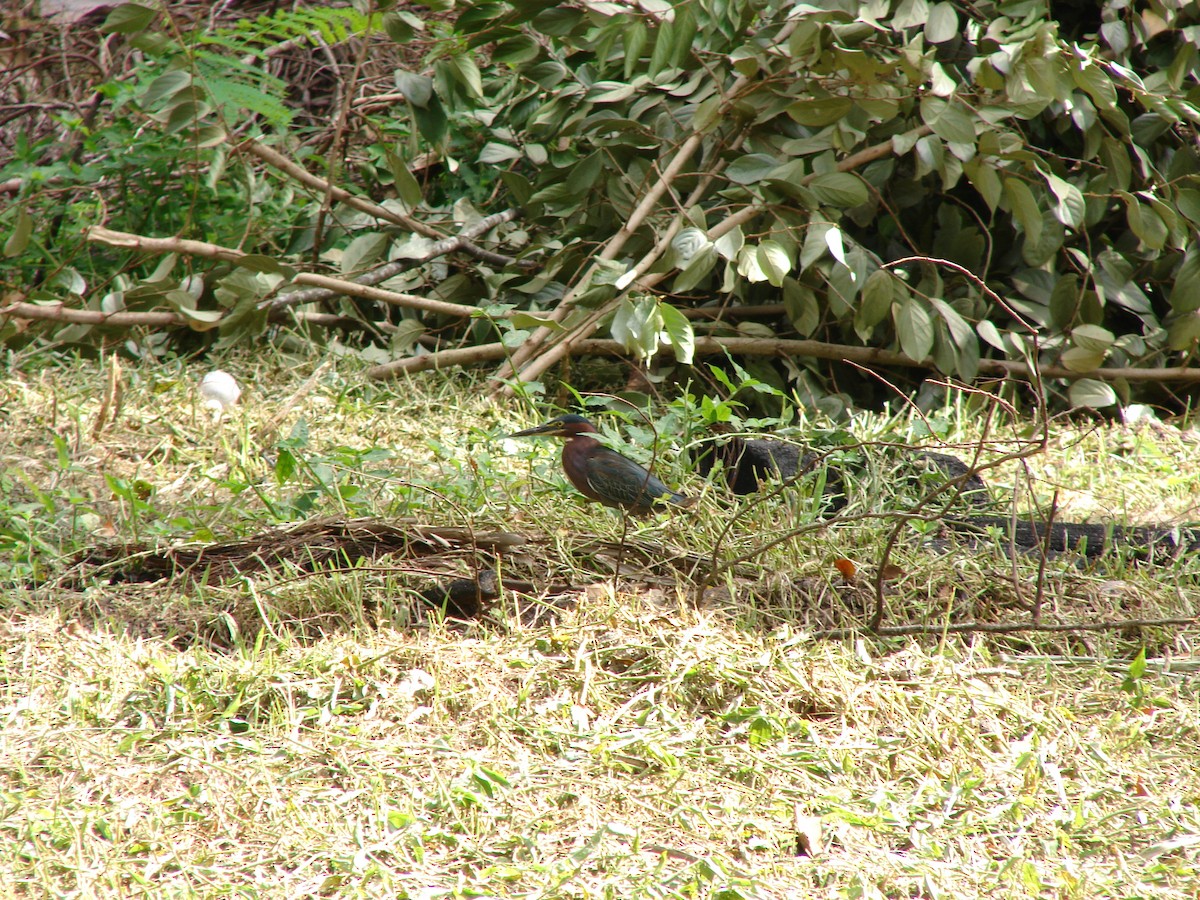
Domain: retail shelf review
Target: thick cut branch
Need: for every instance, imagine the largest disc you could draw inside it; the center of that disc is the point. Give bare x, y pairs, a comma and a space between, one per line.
716, 346
104, 235
60, 312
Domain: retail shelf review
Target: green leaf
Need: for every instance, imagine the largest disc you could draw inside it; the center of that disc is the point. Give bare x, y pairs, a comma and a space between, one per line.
1183, 333
680, 336
750, 169
696, 269
948, 119
19, 239
406, 185
128, 18
774, 261
1187, 201
1024, 208
257, 262
910, 14
814, 246
840, 189
960, 332
1185, 287
401, 27
202, 319
494, 152
637, 325
730, 243
817, 113
1118, 169
660, 56
207, 136
431, 121
558, 21
942, 24
166, 86
363, 252
1137, 668
990, 333
1096, 83
984, 179
464, 70
185, 115
1070, 208
914, 328
635, 37
877, 295
521, 319
1080, 359
1049, 242
547, 74
417, 89
405, 335
707, 115
800, 303
610, 92
1093, 337
512, 340
748, 264
1091, 393
687, 244
1065, 300
517, 50
1145, 223
684, 32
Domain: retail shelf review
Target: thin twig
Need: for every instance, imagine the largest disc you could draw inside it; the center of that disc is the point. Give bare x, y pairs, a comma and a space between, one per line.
1044, 558
1001, 628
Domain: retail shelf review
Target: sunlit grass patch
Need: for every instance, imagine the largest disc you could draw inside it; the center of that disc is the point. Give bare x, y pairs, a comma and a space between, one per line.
298, 730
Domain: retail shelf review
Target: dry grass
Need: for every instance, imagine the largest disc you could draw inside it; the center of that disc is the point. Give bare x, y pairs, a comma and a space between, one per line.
635, 745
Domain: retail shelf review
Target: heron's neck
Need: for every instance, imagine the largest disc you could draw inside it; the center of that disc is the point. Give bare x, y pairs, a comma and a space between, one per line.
583, 439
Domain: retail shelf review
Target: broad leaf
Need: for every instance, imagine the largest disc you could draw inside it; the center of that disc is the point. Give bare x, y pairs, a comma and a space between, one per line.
914, 328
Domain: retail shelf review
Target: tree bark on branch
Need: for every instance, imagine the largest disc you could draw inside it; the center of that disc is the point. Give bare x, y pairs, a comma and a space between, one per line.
186, 247
749, 346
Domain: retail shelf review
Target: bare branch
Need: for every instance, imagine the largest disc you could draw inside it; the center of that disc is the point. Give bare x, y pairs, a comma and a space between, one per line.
60, 312
104, 235
748, 346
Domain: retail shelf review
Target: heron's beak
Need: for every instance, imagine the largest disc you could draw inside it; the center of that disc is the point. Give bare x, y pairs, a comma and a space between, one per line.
547, 429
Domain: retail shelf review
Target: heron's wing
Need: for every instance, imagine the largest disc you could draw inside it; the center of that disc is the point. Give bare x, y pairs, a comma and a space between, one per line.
618, 479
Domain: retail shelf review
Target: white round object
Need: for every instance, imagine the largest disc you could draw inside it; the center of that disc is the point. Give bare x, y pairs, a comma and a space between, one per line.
219, 390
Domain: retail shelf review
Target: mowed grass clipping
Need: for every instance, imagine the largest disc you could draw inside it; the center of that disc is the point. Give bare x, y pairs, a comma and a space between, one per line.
293, 734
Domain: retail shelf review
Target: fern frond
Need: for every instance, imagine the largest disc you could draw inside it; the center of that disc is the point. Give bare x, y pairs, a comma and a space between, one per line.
225, 91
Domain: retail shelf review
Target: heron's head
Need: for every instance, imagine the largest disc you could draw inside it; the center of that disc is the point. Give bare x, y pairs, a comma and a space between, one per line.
563, 426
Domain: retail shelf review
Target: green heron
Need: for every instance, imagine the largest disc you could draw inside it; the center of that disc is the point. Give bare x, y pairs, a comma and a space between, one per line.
605, 475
